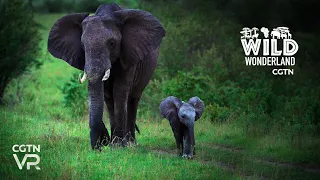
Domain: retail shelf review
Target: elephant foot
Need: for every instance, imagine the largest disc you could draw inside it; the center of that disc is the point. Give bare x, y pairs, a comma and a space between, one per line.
118, 142
104, 140
101, 141
187, 156
131, 141
127, 141
98, 147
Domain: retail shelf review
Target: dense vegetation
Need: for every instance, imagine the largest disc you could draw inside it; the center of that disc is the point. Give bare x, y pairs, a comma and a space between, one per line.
19, 41
251, 119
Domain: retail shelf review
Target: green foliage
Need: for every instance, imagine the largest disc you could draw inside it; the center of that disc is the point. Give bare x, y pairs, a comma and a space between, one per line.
216, 113
132, 4
75, 96
53, 6
87, 5
19, 41
186, 85
56, 5
151, 98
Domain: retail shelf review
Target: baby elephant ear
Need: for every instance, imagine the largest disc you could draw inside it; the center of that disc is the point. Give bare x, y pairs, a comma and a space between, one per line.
169, 108
198, 105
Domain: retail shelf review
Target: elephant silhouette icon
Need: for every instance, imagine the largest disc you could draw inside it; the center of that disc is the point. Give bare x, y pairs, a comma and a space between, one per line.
283, 36
289, 36
284, 32
275, 33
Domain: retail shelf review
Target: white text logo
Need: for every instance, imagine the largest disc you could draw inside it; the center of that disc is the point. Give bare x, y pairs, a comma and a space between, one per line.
28, 148
272, 54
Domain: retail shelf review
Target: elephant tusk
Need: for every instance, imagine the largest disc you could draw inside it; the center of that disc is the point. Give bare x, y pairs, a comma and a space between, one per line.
84, 77
106, 75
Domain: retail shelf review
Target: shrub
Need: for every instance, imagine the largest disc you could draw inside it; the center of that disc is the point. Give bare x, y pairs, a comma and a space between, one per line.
186, 85
19, 41
87, 5
150, 100
54, 6
76, 95
216, 113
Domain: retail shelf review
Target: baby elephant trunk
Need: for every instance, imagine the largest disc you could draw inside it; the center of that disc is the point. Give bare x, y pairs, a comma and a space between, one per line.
188, 142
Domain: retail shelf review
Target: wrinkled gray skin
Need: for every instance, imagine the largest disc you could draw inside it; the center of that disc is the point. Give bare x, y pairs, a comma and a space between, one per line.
126, 42
182, 116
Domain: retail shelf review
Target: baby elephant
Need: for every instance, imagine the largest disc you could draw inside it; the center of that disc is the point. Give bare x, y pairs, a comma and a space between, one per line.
182, 117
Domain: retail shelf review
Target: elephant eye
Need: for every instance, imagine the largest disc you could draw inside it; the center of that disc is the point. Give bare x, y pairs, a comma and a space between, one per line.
112, 43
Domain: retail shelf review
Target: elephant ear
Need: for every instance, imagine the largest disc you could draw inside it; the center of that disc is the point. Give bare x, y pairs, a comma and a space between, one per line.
169, 108
64, 40
141, 34
198, 105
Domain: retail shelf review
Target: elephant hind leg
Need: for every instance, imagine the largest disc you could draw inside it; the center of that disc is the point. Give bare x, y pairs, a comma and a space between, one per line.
131, 126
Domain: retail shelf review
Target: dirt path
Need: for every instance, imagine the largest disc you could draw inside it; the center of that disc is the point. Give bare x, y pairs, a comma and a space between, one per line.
305, 167
217, 164
232, 168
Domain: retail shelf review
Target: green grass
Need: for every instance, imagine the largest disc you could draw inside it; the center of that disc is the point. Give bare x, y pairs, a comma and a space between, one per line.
224, 151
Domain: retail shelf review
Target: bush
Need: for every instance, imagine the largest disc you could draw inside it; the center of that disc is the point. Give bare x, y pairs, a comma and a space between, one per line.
150, 100
72, 6
186, 85
19, 41
54, 6
216, 113
76, 95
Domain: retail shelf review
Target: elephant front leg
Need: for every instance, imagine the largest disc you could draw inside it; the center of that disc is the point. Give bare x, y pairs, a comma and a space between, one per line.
108, 99
120, 96
179, 142
178, 134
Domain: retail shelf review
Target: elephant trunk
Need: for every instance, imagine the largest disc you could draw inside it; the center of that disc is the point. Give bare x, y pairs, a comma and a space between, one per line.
97, 72
96, 105
189, 142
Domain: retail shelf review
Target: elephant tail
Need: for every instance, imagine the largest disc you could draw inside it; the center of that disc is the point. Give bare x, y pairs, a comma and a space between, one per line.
137, 128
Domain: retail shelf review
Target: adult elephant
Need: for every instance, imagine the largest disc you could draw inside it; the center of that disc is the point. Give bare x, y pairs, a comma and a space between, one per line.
118, 51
